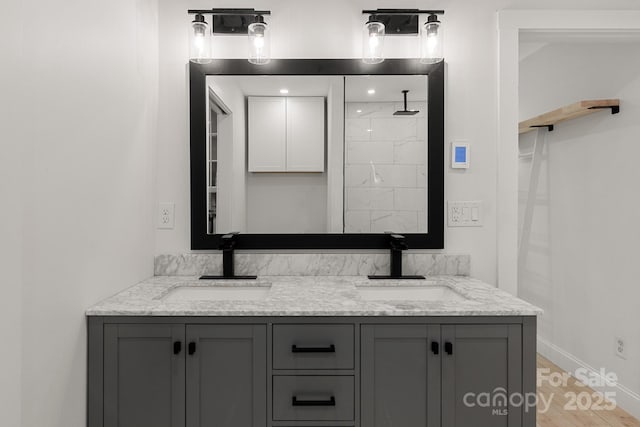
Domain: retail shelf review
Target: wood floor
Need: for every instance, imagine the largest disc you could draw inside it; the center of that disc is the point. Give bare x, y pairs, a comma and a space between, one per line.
557, 416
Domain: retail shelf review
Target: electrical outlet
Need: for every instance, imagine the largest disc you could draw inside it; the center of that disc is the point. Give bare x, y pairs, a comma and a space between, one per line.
620, 347
166, 215
464, 214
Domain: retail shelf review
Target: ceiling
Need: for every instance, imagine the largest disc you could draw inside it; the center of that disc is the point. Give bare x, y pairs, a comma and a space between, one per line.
533, 41
271, 85
568, 36
387, 88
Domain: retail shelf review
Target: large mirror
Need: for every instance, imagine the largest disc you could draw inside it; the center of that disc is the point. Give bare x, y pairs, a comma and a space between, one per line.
317, 160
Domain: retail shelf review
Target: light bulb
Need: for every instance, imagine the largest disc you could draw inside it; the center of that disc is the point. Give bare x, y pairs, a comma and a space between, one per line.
198, 41
374, 41
258, 42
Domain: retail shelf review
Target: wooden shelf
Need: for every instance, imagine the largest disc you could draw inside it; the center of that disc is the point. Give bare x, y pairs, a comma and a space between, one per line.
569, 112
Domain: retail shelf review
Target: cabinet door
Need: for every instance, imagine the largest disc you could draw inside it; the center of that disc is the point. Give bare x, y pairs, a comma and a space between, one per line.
144, 376
226, 376
267, 134
481, 366
305, 134
400, 376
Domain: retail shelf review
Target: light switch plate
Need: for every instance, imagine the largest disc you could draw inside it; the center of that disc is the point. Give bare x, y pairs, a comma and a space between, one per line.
166, 215
464, 213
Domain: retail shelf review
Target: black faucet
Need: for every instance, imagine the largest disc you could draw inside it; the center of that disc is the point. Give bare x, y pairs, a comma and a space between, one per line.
227, 246
397, 244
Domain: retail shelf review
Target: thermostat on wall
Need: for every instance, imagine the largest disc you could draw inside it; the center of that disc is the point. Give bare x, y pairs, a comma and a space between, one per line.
460, 155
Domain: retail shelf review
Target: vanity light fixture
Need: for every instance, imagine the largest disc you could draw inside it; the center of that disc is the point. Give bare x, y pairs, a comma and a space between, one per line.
390, 22
200, 40
373, 41
431, 41
371, 91
259, 41
284, 91
249, 22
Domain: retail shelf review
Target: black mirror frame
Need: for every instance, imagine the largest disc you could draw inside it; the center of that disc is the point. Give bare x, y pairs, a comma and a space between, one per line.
198, 73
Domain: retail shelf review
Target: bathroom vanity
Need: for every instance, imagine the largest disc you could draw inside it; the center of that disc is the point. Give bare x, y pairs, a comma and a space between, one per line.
323, 351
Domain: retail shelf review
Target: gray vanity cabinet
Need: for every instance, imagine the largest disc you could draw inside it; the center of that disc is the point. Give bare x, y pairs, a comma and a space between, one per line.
481, 359
310, 371
226, 375
419, 375
143, 375
400, 375
151, 371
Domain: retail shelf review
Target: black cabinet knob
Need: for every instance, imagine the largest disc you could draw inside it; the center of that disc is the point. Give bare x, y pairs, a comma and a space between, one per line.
448, 347
435, 347
192, 348
177, 347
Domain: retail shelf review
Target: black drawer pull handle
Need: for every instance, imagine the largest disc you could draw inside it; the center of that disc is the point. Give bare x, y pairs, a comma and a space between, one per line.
448, 347
435, 347
177, 347
329, 349
192, 348
330, 402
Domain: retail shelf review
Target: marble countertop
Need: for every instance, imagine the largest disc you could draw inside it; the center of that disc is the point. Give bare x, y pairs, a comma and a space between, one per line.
312, 296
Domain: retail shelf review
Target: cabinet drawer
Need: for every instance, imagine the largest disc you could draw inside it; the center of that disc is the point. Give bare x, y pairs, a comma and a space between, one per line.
313, 347
313, 398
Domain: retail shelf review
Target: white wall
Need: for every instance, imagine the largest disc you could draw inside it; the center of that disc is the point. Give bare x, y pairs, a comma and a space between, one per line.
287, 202
79, 155
582, 256
10, 217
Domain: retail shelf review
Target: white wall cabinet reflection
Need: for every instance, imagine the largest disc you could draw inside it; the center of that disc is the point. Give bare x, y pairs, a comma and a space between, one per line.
286, 134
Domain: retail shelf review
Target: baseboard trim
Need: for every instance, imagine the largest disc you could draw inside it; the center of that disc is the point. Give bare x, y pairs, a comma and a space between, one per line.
626, 399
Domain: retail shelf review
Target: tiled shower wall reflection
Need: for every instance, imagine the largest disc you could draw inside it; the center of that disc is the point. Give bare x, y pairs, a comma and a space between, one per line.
385, 168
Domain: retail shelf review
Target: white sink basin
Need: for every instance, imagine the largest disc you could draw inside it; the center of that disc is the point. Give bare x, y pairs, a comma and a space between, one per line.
409, 293
218, 293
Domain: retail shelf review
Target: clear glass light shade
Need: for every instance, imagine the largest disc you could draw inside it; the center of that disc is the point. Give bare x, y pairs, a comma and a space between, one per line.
431, 43
373, 43
259, 43
200, 42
